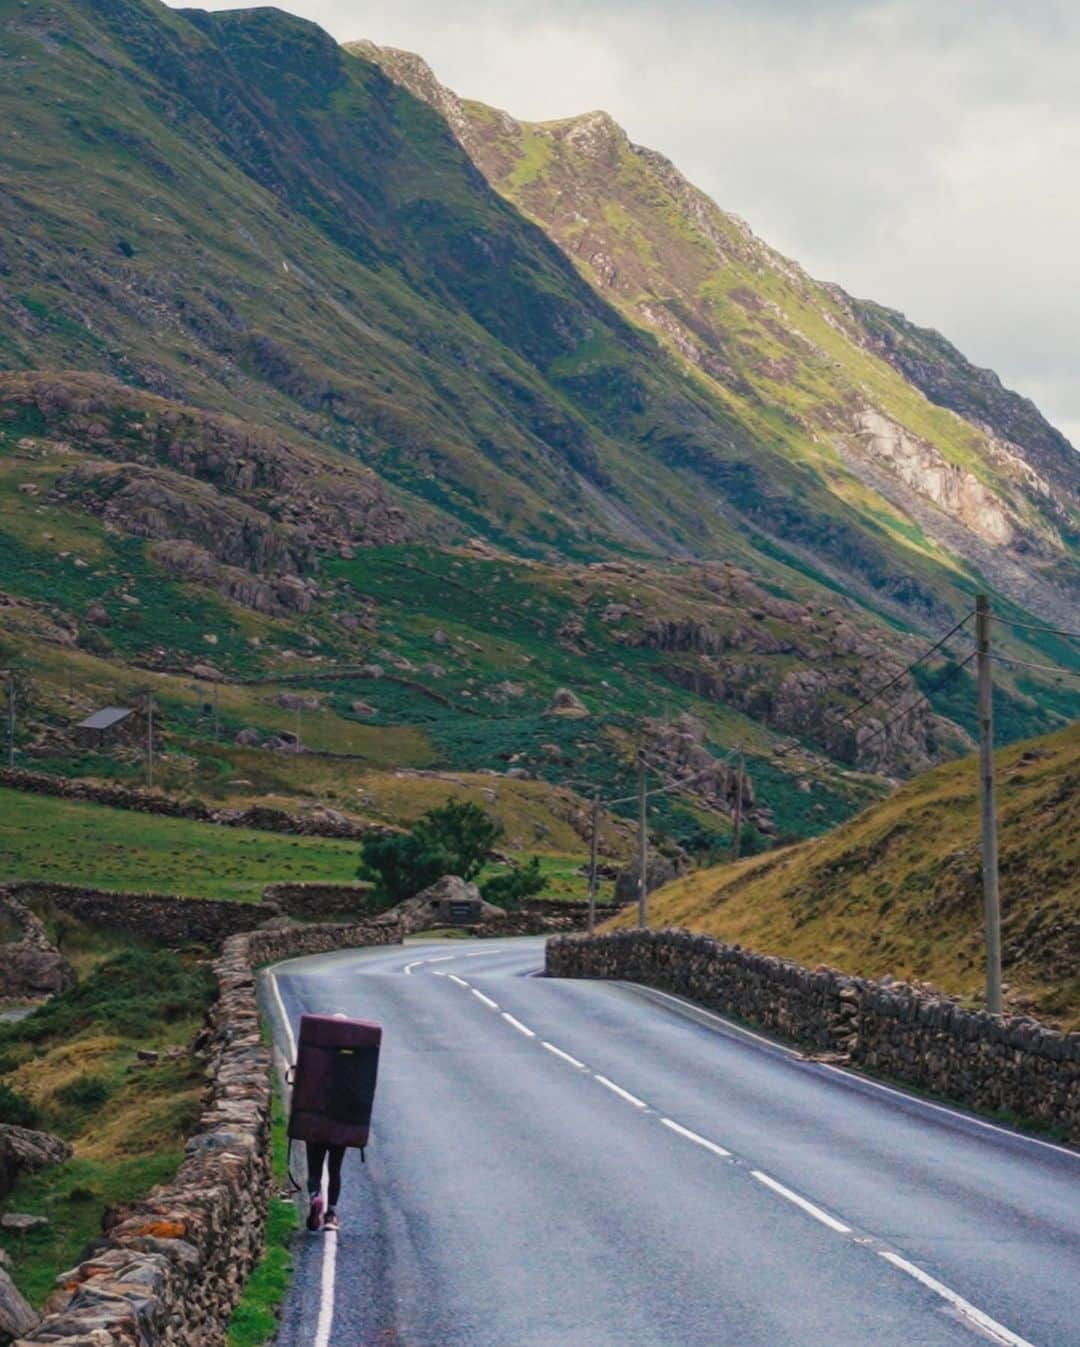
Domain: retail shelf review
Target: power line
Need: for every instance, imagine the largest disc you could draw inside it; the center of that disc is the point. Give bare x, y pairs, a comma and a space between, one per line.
1032, 626
847, 716
1043, 668
917, 702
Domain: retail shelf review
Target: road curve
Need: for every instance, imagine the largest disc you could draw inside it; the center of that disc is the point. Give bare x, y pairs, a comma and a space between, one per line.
584, 1164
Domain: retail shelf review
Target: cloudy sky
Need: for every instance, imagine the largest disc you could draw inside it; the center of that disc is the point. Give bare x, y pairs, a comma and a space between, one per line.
921, 153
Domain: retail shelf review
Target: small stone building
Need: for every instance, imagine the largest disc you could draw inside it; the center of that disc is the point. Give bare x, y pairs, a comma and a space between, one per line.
110, 725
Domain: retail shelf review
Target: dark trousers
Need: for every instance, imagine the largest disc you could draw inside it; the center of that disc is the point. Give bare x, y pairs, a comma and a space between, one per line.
316, 1154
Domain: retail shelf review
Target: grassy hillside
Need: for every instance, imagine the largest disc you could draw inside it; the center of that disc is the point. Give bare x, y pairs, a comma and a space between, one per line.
898, 890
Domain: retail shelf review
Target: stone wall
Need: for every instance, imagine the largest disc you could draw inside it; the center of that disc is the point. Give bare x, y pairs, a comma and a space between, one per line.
319, 823
151, 916
928, 1041
318, 902
171, 1267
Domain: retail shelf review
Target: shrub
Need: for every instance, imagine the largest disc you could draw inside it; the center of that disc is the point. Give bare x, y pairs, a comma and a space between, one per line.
88, 1092
512, 888
465, 831
16, 1108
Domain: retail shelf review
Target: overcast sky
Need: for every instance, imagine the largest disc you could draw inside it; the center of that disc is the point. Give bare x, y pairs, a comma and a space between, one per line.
923, 153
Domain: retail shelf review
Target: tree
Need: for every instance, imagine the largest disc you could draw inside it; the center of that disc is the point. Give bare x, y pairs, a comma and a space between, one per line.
515, 886
453, 839
464, 831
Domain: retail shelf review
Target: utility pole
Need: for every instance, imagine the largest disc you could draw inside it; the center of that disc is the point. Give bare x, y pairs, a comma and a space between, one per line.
736, 836
216, 721
991, 896
296, 745
10, 678
149, 737
643, 846
592, 860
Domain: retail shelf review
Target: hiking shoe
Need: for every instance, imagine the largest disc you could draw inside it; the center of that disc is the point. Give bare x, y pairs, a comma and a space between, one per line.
315, 1214
332, 1221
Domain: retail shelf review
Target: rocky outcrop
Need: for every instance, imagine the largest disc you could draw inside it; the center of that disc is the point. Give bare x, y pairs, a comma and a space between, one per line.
30, 964
565, 702
16, 1316
23, 1151
171, 1267
908, 1034
451, 900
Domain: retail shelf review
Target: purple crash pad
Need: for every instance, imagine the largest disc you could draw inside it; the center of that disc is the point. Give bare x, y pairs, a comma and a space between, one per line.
334, 1085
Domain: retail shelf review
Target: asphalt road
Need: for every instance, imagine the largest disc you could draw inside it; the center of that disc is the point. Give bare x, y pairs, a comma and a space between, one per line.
595, 1165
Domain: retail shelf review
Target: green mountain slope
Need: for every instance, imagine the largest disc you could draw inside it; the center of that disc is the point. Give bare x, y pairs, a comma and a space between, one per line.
290, 394
968, 469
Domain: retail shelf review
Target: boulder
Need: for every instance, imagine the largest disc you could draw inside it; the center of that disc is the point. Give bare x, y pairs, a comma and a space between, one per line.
450, 901
24, 1151
568, 704
249, 737
16, 1316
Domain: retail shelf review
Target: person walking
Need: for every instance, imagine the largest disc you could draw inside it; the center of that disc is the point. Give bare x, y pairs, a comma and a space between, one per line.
319, 1154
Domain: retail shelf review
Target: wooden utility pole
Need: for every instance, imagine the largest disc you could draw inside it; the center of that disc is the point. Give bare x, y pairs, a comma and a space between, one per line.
11, 718
643, 846
593, 841
736, 836
149, 737
216, 719
991, 895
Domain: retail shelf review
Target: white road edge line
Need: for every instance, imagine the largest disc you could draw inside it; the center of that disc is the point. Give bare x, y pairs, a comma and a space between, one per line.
693, 1136
564, 1055
862, 1080
486, 999
454, 978
618, 1089
284, 1017
808, 1207
522, 1028
325, 1323
991, 1326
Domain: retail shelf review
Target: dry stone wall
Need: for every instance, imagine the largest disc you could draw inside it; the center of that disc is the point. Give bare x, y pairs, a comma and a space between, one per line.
162, 918
170, 1268
318, 902
928, 1041
30, 965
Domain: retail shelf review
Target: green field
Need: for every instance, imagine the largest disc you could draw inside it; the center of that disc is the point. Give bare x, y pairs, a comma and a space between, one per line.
78, 843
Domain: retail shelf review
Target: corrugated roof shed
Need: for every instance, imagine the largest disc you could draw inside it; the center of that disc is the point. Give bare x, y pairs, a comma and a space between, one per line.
102, 720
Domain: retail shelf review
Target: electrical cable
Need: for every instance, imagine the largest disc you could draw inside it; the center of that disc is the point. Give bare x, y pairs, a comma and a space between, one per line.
1043, 668
1031, 626
917, 702
904, 672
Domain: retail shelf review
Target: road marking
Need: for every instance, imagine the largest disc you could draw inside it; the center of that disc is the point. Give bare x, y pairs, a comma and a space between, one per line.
415, 964
325, 1323
479, 953
710, 1015
991, 1326
693, 1136
443, 958
460, 981
284, 1017
564, 1055
951, 1112
518, 1025
808, 1207
486, 999
623, 1094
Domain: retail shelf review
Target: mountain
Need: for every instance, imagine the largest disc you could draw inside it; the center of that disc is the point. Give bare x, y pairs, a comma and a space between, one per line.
867, 400
898, 889
296, 405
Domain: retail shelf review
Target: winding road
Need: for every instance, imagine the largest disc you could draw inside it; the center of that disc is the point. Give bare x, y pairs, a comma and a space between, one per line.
585, 1164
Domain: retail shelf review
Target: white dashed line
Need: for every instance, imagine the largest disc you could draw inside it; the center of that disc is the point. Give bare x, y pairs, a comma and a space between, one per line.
623, 1094
486, 999
410, 966
517, 1024
460, 981
693, 1136
808, 1207
991, 1326
442, 958
564, 1055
